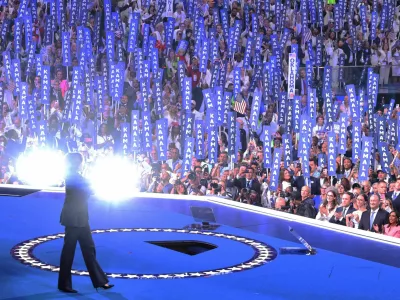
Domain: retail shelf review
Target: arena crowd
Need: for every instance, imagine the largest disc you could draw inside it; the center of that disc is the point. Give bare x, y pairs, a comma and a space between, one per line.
210, 98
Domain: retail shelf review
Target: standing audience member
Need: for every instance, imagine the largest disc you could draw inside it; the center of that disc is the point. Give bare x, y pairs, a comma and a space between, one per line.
393, 227
374, 216
341, 212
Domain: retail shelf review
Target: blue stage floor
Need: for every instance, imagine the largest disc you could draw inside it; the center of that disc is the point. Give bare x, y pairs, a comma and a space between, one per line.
125, 251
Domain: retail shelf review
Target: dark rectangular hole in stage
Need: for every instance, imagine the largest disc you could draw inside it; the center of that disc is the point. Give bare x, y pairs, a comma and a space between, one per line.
186, 247
16, 192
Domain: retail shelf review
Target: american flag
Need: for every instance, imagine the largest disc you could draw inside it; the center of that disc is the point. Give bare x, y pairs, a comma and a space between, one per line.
307, 35
240, 105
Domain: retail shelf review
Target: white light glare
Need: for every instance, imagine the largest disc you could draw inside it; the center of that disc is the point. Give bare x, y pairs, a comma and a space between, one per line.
41, 168
114, 178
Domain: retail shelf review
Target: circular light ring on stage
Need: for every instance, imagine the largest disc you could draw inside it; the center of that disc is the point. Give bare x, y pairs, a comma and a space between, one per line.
264, 253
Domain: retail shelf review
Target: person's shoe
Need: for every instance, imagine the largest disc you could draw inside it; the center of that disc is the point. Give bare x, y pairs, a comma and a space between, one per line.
68, 290
105, 287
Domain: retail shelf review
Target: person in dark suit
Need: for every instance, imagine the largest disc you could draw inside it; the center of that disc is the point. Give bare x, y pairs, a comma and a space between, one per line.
300, 53
347, 208
301, 83
305, 204
249, 182
75, 218
374, 216
52, 140
13, 147
299, 182
395, 196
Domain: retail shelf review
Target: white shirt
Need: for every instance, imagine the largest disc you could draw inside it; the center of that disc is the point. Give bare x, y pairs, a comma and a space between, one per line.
359, 213
179, 17
197, 115
347, 172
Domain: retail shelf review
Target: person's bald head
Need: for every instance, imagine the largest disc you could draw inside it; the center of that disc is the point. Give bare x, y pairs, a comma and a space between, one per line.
305, 192
279, 203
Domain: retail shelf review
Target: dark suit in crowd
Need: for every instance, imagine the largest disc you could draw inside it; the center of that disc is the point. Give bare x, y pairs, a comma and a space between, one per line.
299, 182
75, 218
253, 184
395, 200
342, 220
381, 218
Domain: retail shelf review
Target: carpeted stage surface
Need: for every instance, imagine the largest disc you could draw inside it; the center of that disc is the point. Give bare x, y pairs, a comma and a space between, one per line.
327, 275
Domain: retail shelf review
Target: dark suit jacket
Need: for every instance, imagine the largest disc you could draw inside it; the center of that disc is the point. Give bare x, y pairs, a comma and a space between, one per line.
298, 84
347, 50
299, 182
75, 209
343, 220
56, 143
396, 202
300, 54
241, 184
381, 218
14, 148
243, 140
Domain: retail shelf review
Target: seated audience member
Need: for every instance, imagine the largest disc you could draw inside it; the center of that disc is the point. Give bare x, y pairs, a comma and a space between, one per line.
374, 216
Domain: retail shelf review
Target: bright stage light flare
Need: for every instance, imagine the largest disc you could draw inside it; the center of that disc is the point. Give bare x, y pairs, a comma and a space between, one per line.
114, 178
41, 168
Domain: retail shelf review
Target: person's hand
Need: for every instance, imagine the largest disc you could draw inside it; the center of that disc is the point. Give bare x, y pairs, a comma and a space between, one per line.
356, 217
323, 210
376, 227
177, 167
338, 215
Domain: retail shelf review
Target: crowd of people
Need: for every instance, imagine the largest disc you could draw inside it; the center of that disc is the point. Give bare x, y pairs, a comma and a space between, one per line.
196, 39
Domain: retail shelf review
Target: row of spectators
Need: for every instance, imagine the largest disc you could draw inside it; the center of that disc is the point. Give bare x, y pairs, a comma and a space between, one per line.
339, 199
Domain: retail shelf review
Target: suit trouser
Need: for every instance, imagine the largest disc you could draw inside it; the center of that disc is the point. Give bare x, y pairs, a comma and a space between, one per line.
84, 236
